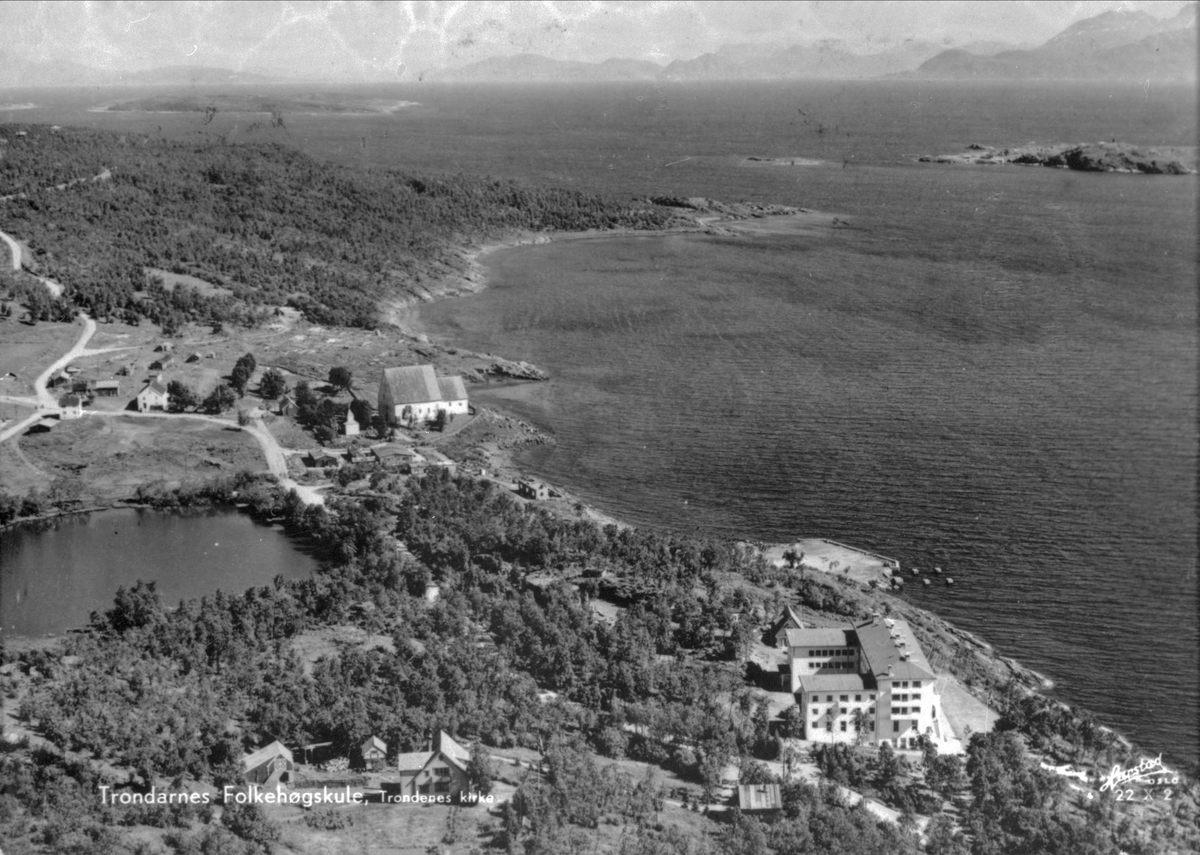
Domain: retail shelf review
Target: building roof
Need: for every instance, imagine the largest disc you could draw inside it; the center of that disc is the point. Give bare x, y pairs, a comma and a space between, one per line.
267, 752
759, 797
835, 683
154, 386
821, 637
452, 389
376, 743
412, 761
453, 752
412, 384
106, 384
788, 619
883, 647
382, 452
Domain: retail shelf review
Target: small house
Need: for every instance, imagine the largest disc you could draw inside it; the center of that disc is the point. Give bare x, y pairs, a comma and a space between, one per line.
374, 753
152, 397
164, 347
288, 406
434, 459
106, 388
441, 771
531, 488
759, 798
161, 363
269, 767
60, 378
124, 370
72, 406
193, 357
321, 459
777, 634
398, 457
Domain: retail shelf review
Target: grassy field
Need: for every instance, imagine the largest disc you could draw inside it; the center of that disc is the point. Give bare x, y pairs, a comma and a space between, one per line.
26, 351
113, 455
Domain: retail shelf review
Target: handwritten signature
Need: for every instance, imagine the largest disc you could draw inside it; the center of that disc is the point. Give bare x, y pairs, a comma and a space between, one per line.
1150, 771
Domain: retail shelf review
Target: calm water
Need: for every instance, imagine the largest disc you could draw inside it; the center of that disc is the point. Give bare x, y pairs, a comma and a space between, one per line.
54, 578
992, 369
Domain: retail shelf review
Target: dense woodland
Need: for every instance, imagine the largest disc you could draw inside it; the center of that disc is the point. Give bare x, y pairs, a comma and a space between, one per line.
266, 224
178, 694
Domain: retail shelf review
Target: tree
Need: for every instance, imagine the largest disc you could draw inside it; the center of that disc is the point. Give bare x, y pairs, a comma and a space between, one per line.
340, 378
251, 824
273, 385
180, 397
439, 421
219, 400
479, 769
364, 413
239, 377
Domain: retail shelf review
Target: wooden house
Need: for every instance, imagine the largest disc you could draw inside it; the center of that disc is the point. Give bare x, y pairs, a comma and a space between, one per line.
161, 363
288, 406
72, 407
269, 766
531, 488
440, 771
777, 634
152, 397
105, 388
374, 753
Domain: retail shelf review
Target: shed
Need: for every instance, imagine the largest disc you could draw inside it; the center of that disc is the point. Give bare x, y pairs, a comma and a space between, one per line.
193, 357
759, 798
106, 388
270, 766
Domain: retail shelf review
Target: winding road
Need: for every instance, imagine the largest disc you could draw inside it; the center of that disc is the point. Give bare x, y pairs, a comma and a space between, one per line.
44, 403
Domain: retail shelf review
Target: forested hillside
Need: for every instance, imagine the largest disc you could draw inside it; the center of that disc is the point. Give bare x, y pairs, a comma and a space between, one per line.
178, 695
270, 225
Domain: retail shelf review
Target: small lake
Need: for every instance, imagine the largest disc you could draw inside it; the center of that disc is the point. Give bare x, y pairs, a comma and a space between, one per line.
52, 579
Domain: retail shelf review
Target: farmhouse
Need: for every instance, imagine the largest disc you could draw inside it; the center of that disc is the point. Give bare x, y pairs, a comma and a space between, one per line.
438, 772
269, 766
865, 683
152, 397
413, 393
72, 406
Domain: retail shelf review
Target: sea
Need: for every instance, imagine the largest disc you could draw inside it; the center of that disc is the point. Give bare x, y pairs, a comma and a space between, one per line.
987, 369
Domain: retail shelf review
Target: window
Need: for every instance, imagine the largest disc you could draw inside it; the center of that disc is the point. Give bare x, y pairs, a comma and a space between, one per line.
871, 696
829, 698
442, 773
812, 664
829, 725
858, 697
843, 697
812, 653
916, 696
916, 684
895, 727
442, 787
843, 727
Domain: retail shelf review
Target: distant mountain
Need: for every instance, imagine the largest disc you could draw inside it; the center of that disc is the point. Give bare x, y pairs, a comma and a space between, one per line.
532, 68
15, 71
777, 61
1110, 46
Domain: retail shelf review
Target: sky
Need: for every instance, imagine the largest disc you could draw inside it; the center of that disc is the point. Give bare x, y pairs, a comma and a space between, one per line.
397, 41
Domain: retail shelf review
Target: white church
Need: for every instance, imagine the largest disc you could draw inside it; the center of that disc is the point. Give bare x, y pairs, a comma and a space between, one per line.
413, 394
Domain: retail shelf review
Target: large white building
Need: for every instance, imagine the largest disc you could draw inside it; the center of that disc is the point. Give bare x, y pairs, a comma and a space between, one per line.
414, 393
868, 683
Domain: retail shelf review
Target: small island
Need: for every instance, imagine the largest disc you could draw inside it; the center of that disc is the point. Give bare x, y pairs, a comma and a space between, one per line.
1083, 157
246, 103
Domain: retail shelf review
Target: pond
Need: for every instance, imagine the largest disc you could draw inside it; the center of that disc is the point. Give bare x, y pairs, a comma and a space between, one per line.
51, 579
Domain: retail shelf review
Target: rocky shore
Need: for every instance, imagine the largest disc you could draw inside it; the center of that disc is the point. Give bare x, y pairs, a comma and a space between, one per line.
1082, 157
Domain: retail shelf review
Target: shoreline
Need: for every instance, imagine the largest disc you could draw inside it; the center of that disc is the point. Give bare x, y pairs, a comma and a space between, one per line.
1033, 682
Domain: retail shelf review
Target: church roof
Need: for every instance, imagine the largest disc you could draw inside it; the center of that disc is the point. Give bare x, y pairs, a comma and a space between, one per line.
452, 388
412, 384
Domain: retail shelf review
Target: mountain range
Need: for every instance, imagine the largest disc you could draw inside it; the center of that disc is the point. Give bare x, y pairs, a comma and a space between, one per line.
1111, 45
1119, 45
